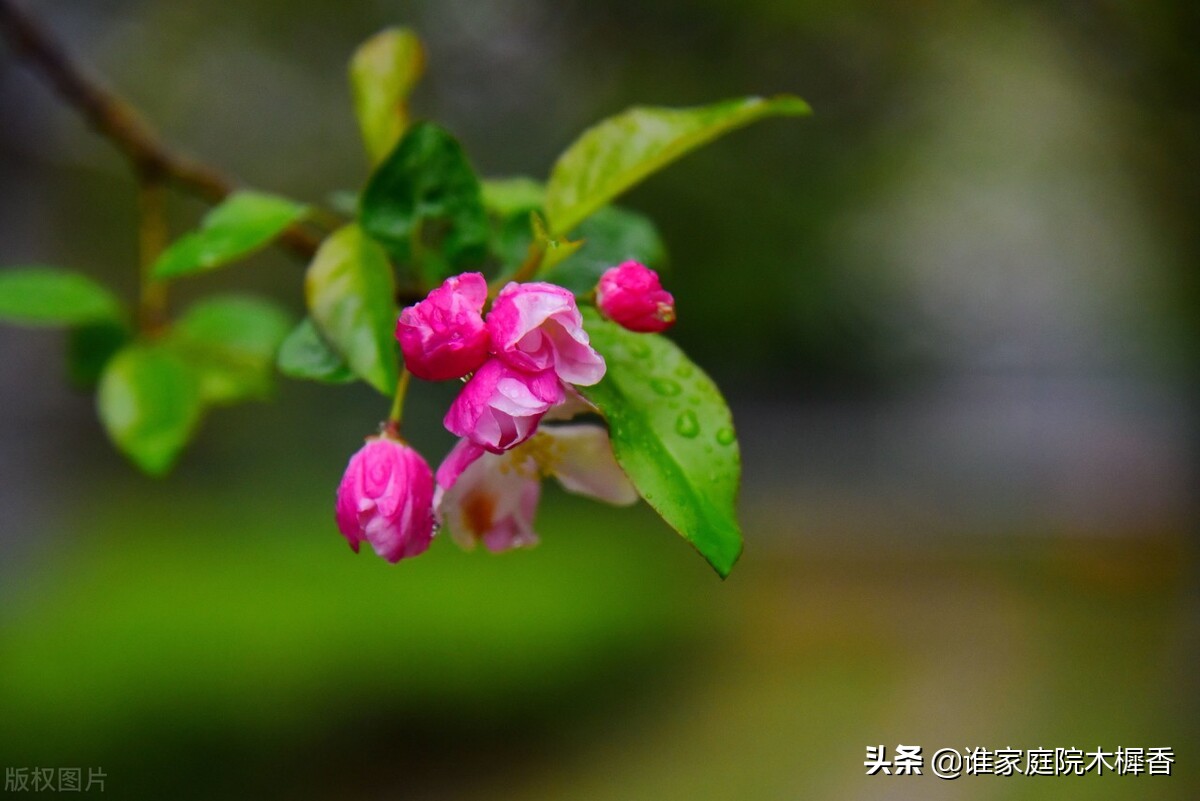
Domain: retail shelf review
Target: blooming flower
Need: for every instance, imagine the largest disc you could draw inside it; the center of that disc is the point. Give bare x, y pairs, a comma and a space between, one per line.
500, 407
386, 499
630, 294
537, 326
492, 498
444, 336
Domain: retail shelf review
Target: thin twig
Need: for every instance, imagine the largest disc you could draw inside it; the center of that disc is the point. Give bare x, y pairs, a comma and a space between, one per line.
116, 120
152, 239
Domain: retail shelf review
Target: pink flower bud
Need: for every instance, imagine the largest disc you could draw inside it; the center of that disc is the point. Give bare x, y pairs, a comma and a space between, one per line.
500, 407
631, 295
444, 336
386, 499
537, 327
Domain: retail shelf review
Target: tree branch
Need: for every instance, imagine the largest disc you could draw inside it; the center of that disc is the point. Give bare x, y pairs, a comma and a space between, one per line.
116, 120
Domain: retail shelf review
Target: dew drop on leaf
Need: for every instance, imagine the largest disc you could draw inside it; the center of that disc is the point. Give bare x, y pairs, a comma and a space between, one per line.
665, 386
687, 425
725, 436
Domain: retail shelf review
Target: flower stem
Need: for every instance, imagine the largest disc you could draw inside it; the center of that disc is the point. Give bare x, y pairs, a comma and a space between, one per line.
392, 427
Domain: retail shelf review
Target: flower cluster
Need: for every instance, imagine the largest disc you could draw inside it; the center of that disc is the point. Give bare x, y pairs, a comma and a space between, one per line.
520, 363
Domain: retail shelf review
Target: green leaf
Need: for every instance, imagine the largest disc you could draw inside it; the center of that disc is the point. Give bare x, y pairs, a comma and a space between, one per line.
505, 197
620, 151
150, 403
351, 297
53, 296
673, 435
383, 72
231, 342
610, 236
89, 349
424, 205
305, 354
242, 224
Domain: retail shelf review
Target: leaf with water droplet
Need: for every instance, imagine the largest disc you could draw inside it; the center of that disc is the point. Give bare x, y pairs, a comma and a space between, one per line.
666, 452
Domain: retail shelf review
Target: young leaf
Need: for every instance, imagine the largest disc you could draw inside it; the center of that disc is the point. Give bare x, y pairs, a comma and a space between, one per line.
231, 342
673, 435
305, 354
89, 349
150, 403
383, 72
351, 297
610, 236
423, 204
505, 197
52, 296
620, 151
242, 224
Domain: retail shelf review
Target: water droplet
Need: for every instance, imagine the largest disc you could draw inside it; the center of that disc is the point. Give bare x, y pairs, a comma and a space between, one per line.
686, 425
684, 370
694, 400
674, 404
639, 349
665, 386
725, 436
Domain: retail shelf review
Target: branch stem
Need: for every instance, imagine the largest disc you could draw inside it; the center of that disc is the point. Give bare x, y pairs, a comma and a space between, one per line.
152, 239
116, 120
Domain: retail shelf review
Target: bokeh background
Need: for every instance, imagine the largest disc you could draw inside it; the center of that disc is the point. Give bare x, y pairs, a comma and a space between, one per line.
956, 314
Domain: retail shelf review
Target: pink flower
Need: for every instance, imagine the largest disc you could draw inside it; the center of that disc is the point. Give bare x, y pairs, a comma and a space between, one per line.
499, 408
631, 295
444, 336
537, 327
490, 498
386, 499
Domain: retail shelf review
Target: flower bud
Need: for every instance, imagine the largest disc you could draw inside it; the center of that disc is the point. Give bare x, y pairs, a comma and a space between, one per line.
631, 296
386, 499
444, 336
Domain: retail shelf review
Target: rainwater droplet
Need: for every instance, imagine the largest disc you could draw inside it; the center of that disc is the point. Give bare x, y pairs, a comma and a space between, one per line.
665, 386
686, 425
725, 436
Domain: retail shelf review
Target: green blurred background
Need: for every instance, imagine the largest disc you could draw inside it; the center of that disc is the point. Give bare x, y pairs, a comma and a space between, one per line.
956, 316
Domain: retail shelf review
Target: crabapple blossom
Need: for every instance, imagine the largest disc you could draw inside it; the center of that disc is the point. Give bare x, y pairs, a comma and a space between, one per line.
537, 326
444, 335
492, 498
500, 407
386, 498
630, 295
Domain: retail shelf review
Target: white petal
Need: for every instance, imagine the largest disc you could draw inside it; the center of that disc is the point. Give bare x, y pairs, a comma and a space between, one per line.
582, 461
